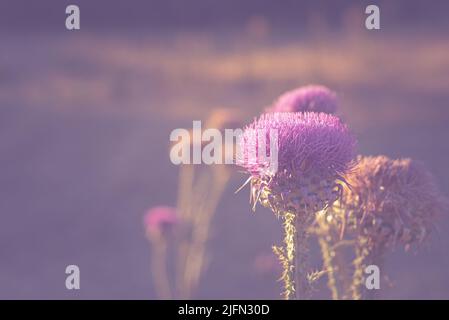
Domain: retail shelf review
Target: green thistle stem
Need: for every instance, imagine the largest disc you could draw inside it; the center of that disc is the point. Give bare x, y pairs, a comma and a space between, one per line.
293, 257
328, 254
365, 256
297, 208
302, 283
286, 256
361, 255
343, 277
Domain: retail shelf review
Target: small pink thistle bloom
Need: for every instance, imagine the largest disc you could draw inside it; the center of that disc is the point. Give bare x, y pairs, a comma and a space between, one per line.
160, 220
313, 98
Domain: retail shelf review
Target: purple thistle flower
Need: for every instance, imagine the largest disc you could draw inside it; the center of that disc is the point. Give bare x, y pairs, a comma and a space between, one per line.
314, 98
307, 142
313, 151
160, 219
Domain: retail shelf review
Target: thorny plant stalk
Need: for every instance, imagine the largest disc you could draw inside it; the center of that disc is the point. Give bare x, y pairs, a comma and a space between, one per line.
333, 260
302, 283
365, 255
342, 272
328, 255
286, 256
329, 229
294, 256
391, 202
362, 254
313, 151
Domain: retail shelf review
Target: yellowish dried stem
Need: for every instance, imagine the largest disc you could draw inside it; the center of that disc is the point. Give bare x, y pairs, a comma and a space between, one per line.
159, 268
342, 272
328, 255
205, 195
362, 254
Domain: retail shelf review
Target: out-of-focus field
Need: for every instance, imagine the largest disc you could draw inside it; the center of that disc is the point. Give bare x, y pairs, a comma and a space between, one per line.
84, 141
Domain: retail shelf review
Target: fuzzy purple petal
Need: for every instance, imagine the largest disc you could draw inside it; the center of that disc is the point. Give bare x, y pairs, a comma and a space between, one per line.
314, 98
307, 142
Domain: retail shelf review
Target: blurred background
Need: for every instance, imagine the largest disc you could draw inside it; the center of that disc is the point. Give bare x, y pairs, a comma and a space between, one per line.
85, 118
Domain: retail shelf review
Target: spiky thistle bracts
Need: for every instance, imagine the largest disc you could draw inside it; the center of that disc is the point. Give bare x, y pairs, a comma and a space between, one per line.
392, 201
314, 150
389, 203
311, 98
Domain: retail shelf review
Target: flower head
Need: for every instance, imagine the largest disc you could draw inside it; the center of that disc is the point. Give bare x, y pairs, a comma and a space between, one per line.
306, 142
313, 150
313, 98
392, 201
159, 220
